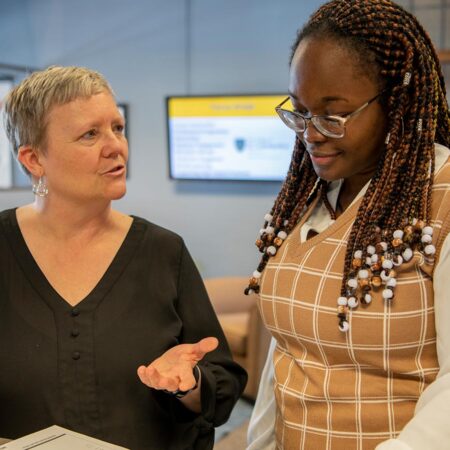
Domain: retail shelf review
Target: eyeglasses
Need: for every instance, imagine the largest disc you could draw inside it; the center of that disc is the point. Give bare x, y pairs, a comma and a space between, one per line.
329, 126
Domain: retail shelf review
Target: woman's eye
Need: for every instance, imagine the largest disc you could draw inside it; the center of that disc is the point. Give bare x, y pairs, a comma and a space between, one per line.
119, 129
90, 134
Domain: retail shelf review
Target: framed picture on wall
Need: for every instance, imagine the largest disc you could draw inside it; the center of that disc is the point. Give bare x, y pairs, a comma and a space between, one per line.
6, 158
123, 108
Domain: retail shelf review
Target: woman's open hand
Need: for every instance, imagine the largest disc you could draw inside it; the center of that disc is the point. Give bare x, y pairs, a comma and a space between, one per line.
173, 370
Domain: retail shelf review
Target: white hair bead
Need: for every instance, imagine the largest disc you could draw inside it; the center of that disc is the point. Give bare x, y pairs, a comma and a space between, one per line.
250, 291
367, 298
270, 230
282, 235
352, 302
392, 283
357, 254
268, 217
384, 276
368, 260
257, 274
344, 326
387, 294
426, 238
271, 250
374, 258
427, 230
398, 261
407, 78
384, 246
430, 249
262, 231
370, 249
286, 223
363, 274
398, 234
387, 264
342, 301
352, 282
407, 254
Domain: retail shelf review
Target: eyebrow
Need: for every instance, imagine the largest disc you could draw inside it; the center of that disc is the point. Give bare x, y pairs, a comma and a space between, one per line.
327, 99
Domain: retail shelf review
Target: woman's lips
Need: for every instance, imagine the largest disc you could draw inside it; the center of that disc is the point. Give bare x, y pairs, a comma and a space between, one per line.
323, 159
116, 171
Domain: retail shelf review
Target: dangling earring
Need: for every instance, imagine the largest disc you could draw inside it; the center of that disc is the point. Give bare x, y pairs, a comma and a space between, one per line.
40, 188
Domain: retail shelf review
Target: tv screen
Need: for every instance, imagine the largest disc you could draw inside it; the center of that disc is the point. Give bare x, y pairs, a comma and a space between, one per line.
227, 137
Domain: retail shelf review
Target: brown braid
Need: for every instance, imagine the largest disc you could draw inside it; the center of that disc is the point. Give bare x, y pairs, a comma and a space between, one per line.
390, 44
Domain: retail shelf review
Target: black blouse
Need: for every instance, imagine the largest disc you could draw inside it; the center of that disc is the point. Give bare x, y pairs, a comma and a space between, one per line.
76, 366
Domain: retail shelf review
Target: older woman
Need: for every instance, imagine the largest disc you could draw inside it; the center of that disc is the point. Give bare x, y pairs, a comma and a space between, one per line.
354, 280
105, 325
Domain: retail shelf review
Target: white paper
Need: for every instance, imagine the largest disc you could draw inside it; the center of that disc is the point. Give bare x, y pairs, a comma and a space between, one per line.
58, 438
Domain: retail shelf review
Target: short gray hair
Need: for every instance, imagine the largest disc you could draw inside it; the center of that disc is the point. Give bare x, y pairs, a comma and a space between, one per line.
28, 105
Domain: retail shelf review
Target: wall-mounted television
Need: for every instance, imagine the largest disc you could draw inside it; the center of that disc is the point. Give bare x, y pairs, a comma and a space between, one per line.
227, 137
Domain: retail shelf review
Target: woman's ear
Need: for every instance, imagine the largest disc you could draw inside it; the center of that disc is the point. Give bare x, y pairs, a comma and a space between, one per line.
29, 157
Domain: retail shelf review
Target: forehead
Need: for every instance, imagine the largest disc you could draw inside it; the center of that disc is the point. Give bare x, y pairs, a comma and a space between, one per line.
325, 68
84, 108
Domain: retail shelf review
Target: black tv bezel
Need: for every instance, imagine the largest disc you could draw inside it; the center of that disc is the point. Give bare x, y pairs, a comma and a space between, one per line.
225, 180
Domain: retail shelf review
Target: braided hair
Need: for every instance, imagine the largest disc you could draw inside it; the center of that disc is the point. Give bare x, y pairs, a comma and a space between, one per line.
394, 49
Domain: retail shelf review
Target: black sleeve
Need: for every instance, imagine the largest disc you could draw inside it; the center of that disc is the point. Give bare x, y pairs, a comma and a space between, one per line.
222, 379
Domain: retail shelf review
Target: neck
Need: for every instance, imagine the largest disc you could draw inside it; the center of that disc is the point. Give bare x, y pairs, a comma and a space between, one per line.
350, 189
63, 221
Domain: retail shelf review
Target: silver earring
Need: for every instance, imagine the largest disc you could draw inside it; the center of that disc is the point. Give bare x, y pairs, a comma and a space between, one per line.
40, 188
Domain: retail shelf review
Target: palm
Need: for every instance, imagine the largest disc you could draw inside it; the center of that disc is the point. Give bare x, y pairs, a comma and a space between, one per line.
173, 370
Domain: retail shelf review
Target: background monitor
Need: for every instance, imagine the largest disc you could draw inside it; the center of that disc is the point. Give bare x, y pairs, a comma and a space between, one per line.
227, 137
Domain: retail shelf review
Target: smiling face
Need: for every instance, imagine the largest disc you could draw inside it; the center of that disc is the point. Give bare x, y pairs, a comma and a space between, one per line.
85, 150
325, 79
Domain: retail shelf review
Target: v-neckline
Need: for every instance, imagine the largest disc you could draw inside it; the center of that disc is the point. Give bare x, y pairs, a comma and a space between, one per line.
340, 221
47, 292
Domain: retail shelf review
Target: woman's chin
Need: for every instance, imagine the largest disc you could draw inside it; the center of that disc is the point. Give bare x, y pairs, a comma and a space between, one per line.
327, 174
117, 194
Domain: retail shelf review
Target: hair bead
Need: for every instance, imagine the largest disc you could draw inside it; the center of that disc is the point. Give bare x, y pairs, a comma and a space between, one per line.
407, 79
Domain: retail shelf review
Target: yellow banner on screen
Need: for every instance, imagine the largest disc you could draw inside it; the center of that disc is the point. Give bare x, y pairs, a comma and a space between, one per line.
231, 106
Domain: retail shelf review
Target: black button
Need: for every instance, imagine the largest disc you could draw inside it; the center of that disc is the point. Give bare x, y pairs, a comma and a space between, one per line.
75, 312
76, 355
75, 333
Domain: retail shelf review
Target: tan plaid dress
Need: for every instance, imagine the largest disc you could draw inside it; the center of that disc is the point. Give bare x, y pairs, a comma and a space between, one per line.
344, 391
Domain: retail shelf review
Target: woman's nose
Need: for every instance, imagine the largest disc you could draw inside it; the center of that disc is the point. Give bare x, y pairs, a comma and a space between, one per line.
312, 134
115, 144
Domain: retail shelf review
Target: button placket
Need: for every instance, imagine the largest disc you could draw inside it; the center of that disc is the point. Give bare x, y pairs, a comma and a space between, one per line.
75, 332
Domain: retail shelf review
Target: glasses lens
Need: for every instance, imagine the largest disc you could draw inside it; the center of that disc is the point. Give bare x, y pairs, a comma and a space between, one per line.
329, 126
292, 121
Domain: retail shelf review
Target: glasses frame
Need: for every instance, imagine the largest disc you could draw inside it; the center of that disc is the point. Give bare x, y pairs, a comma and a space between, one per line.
343, 119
